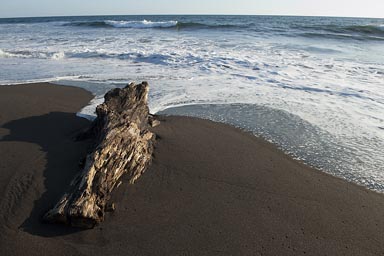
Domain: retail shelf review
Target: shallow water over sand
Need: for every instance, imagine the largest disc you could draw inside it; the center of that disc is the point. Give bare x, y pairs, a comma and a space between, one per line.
322, 76
299, 139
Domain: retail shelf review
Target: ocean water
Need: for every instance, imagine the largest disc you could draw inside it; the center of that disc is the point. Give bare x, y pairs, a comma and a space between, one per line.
312, 85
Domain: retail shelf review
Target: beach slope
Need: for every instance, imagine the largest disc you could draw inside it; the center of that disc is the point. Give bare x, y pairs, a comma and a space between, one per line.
211, 190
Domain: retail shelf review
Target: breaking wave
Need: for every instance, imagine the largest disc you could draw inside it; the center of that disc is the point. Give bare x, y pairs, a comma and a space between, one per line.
123, 24
26, 54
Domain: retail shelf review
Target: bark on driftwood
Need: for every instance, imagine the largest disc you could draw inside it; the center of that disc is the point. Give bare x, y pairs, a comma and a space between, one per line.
124, 145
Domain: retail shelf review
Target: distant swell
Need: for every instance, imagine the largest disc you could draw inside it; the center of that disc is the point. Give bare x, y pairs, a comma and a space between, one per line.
202, 25
357, 32
365, 29
86, 24
146, 24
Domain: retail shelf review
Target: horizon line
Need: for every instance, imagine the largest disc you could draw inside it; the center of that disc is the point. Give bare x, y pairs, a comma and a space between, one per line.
95, 15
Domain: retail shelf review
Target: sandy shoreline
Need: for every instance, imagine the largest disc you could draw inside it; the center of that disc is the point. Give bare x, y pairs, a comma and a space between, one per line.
211, 190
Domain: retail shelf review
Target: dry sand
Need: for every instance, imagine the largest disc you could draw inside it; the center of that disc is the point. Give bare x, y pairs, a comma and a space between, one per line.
211, 190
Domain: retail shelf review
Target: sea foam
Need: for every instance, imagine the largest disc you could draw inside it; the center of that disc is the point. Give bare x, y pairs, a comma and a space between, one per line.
141, 24
327, 72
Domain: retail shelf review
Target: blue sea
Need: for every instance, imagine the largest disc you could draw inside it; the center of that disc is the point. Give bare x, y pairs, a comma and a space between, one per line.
312, 85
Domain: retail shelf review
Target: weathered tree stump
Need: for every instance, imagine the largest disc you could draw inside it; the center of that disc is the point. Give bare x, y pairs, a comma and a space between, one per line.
123, 145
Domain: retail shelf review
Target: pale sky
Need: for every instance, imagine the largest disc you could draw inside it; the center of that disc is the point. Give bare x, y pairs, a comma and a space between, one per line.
348, 8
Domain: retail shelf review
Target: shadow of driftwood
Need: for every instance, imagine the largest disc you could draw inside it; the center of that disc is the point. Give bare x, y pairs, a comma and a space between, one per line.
55, 134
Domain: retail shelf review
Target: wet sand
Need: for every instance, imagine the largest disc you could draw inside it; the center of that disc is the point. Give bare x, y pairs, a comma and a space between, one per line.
211, 190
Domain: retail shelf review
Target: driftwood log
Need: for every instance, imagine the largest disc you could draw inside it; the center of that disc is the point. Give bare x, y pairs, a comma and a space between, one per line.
123, 145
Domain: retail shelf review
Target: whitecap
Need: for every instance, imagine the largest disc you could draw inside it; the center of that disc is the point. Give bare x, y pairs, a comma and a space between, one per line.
141, 24
58, 55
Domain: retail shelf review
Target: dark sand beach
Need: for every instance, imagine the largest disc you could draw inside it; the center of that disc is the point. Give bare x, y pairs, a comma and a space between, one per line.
211, 190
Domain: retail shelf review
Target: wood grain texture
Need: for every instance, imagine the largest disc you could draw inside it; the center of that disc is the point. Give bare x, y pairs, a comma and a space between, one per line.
123, 145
